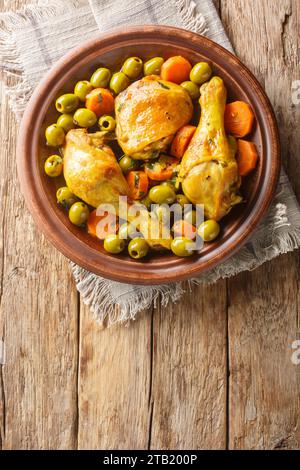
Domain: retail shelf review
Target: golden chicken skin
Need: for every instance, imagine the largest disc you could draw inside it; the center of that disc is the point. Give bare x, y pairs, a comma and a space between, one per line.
91, 169
208, 171
93, 174
148, 114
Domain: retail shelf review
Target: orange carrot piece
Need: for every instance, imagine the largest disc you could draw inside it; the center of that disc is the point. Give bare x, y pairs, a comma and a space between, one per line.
162, 169
138, 184
182, 228
100, 101
181, 141
176, 69
246, 157
238, 118
110, 224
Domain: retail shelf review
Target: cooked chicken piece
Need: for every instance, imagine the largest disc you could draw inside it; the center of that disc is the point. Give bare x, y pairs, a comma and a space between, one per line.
208, 170
148, 114
91, 169
93, 174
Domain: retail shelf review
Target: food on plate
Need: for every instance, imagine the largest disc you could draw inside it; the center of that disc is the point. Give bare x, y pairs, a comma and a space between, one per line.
200, 73
66, 122
107, 123
133, 133
100, 101
54, 165
65, 197
119, 81
113, 244
67, 103
84, 118
238, 118
176, 69
153, 66
100, 78
182, 246
181, 140
91, 169
82, 89
246, 156
209, 230
79, 213
55, 135
192, 89
138, 248
132, 67
148, 114
209, 172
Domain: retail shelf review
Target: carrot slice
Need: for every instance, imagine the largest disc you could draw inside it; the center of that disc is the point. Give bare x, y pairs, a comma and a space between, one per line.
238, 118
181, 140
176, 69
109, 224
182, 228
161, 169
138, 184
246, 157
100, 101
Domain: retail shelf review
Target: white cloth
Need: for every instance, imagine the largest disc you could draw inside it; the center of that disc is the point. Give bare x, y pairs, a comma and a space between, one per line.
35, 38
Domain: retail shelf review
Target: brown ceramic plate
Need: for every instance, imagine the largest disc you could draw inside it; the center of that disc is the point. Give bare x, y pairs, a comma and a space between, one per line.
110, 50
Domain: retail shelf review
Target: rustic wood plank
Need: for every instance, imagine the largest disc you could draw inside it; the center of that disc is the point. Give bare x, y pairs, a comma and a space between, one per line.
264, 305
38, 318
114, 384
189, 371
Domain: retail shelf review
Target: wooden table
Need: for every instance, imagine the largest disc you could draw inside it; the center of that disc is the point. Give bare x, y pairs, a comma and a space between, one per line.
212, 372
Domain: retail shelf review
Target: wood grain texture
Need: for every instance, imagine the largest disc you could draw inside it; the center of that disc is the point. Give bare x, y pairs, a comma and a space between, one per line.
189, 371
163, 381
264, 305
114, 384
39, 314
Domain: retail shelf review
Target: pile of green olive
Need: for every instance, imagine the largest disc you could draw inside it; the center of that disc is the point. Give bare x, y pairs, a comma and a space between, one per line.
73, 113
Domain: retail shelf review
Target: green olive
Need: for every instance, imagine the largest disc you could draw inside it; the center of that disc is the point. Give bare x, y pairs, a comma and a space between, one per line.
84, 117
100, 78
169, 184
119, 81
146, 201
153, 66
67, 103
55, 135
200, 73
232, 144
107, 123
113, 244
191, 217
79, 213
192, 89
82, 88
138, 248
132, 67
66, 122
53, 166
162, 194
65, 198
181, 246
209, 230
182, 200
127, 163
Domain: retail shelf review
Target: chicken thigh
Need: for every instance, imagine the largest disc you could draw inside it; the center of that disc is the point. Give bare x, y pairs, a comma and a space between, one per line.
148, 114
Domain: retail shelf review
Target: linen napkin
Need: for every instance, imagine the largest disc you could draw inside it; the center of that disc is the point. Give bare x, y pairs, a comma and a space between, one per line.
33, 39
